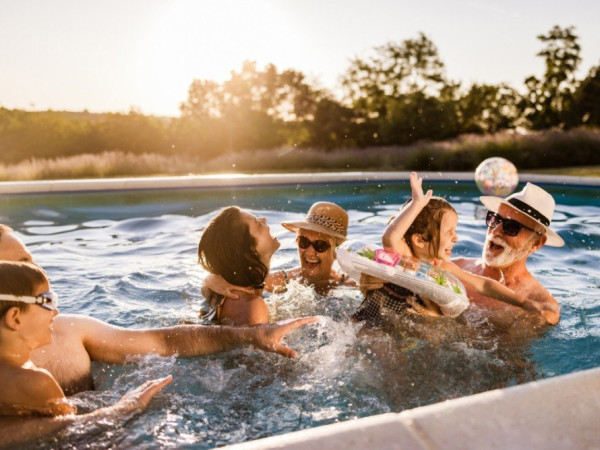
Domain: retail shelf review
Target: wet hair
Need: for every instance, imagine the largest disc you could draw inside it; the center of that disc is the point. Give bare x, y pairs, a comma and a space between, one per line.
428, 223
19, 278
227, 248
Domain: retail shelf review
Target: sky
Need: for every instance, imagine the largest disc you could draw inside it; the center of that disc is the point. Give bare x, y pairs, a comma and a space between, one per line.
119, 55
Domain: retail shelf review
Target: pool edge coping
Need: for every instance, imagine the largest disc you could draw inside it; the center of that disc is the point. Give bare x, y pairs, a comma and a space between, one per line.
501, 418
249, 180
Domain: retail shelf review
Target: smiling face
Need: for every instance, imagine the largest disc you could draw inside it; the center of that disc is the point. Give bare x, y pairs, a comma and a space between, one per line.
501, 250
316, 267
436, 242
265, 243
448, 235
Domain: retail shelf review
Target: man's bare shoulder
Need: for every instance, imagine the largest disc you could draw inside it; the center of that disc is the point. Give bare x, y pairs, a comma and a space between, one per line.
27, 389
75, 324
537, 292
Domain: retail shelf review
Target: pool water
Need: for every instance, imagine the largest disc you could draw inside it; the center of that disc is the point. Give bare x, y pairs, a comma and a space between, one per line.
129, 258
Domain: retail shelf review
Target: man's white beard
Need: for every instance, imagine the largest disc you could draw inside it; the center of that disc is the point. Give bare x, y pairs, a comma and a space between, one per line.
508, 256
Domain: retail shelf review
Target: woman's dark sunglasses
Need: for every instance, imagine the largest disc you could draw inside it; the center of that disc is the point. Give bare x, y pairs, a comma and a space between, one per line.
319, 245
511, 227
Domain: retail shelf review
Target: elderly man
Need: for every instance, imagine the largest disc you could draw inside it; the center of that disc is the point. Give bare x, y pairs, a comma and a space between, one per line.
78, 340
518, 226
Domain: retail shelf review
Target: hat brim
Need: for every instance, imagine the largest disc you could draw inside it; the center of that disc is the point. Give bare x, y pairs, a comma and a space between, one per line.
295, 226
493, 204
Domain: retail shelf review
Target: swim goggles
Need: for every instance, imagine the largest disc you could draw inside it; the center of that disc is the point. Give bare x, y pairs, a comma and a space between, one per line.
510, 226
47, 300
319, 245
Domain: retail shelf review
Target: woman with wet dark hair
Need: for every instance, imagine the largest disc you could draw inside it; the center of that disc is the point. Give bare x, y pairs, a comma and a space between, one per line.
238, 247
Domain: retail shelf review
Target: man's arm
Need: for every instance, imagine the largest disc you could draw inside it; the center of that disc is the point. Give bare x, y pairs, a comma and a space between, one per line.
40, 393
20, 430
111, 344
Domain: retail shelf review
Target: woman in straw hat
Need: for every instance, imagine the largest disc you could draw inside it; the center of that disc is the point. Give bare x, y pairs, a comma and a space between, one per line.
317, 236
323, 229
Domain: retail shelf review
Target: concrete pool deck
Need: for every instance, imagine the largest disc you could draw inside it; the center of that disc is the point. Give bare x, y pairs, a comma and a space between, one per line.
556, 413
244, 180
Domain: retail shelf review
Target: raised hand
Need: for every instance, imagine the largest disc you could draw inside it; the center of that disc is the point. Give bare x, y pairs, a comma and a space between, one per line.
268, 337
416, 186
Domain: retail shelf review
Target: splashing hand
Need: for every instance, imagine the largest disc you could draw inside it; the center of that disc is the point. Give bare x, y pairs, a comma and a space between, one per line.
268, 337
416, 186
138, 399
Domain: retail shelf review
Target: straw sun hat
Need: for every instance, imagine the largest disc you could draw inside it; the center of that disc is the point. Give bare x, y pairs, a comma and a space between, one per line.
323, 217
534, 202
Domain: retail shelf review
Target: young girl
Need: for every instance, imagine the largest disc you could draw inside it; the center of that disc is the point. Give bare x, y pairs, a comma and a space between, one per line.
426, 229
238, 247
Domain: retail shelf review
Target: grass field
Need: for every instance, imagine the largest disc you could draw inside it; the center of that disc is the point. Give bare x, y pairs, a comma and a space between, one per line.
579, 150
591, 171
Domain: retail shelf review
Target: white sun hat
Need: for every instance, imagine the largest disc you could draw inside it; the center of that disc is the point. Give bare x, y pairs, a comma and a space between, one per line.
532, 201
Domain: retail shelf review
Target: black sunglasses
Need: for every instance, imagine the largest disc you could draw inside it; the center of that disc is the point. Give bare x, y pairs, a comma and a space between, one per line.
319, 245
511, 227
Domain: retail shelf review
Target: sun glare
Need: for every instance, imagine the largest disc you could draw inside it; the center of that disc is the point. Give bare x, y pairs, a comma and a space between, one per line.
205, 40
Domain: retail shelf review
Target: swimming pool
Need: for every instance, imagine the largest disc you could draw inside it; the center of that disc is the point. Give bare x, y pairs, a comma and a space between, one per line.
129, 259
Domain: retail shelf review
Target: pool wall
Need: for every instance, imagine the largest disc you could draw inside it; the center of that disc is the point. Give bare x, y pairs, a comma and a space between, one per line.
560, 412
241, 180
557, 413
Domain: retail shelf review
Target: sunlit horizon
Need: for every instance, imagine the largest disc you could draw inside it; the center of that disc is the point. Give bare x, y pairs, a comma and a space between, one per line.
143, 55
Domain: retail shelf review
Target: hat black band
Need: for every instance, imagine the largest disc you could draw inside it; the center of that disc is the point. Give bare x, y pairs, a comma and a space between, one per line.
522, 206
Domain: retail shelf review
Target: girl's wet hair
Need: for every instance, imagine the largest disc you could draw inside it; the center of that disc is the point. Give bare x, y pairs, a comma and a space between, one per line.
227, 248
19, 278
428, 222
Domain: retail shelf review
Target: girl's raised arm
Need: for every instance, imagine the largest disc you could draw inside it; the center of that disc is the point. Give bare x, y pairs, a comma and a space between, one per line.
393, 237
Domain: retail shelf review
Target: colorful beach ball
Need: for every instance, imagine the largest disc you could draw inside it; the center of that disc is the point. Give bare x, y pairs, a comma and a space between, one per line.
496, 176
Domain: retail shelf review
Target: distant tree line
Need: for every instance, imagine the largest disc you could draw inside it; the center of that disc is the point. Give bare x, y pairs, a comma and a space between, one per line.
397, 95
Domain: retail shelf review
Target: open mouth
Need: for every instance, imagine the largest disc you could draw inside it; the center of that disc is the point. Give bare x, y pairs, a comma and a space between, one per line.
495, 247
312, 263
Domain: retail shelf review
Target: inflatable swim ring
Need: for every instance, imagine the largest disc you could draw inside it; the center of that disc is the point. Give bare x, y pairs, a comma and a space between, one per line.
422, 278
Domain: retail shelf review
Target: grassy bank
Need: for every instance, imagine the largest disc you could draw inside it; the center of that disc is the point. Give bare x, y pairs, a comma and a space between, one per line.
575, 152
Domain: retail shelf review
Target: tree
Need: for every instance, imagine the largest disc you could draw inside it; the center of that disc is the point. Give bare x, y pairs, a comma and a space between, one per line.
401, 93
332, 126
587, 99
205, 100
487, 108
395, 69
250, 110
548, 100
